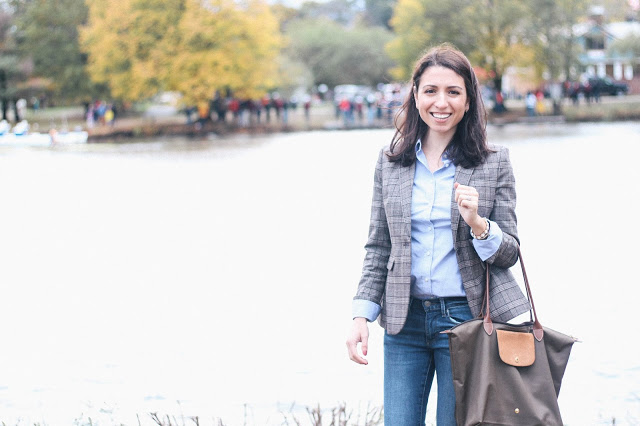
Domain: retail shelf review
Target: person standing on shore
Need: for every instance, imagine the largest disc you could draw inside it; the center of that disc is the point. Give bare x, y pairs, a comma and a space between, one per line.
443, 203
530, 102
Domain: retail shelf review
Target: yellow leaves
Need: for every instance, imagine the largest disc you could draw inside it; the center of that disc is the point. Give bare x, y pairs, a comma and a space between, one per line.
413, 35
224, 46
193, 46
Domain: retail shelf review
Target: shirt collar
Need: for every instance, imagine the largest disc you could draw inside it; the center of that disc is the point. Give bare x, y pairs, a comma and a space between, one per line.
446, 161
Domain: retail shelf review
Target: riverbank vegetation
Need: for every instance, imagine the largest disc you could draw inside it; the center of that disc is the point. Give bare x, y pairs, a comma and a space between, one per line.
340, 414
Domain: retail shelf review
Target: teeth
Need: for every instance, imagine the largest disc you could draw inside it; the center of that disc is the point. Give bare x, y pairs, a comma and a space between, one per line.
440, 115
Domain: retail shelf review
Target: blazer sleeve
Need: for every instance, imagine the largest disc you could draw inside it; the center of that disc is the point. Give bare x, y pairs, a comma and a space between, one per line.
378, 246
504, 213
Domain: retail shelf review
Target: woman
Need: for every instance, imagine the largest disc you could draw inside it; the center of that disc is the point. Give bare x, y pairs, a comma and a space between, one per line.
443, 203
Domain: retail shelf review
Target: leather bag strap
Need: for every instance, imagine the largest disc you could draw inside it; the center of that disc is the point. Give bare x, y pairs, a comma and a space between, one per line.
538, 332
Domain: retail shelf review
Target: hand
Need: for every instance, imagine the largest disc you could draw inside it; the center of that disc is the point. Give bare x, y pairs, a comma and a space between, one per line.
467, 199
359, 334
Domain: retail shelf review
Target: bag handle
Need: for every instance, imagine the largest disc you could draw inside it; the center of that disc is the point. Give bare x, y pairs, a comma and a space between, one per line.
538, 333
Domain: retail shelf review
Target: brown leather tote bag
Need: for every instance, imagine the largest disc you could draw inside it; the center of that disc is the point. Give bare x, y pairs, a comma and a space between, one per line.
506, 374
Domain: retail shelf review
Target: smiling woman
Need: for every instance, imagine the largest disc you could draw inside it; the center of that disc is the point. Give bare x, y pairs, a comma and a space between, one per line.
435, 221
441, 100
443, 81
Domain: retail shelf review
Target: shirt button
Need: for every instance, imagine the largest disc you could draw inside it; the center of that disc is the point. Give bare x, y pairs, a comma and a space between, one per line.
428, 253
426, 280
429, 228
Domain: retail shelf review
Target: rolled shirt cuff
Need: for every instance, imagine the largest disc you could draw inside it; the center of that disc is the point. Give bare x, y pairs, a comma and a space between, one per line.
487, 248
365, 309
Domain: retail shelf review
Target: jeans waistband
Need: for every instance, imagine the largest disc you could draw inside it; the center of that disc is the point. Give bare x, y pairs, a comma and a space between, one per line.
437, 303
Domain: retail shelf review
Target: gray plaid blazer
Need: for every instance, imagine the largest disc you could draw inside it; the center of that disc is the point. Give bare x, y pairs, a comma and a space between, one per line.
386, 274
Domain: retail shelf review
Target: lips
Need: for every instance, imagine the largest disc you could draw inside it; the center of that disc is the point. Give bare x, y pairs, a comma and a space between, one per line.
439, 116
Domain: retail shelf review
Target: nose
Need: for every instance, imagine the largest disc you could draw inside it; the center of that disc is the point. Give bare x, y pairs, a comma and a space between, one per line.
441, 100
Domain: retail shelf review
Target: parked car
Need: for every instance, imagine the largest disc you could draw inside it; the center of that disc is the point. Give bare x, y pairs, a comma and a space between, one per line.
607, 86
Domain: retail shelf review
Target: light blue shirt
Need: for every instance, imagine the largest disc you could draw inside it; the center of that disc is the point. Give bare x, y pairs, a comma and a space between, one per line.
434, 267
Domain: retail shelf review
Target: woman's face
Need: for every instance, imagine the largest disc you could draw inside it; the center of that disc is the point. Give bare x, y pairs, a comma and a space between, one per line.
441, 99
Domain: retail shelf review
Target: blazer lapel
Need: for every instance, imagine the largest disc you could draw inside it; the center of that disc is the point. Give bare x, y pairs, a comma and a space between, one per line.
463, 177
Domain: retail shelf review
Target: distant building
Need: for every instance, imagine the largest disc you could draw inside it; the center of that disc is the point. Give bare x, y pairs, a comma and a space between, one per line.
595, 37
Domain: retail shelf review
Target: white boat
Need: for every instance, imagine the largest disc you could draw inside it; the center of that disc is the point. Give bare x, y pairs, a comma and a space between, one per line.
20, 136
29, 139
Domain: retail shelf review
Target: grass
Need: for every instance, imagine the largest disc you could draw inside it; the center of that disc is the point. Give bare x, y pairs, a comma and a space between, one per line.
620, 111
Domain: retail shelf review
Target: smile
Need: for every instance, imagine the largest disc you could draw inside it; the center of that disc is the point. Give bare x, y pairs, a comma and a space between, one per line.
440, 116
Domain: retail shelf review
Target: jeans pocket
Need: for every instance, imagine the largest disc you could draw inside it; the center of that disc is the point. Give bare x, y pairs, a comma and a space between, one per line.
459, 314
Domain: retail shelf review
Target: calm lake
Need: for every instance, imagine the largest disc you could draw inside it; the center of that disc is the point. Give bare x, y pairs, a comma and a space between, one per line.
214, 277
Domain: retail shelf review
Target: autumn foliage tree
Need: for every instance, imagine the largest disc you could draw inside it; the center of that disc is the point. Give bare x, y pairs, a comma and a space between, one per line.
141, 47
223, 45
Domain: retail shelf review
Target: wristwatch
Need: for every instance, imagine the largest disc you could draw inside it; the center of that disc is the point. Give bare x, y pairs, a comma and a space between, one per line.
485, 233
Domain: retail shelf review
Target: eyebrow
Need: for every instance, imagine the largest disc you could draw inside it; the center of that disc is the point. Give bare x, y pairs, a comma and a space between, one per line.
435, 85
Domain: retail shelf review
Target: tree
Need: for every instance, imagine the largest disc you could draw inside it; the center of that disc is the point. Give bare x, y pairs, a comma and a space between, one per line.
338, 55
556, 50
140, 47
491, 32
129, 43
13, 68
628, 46
293, 74
48, 34
223, 46
379, 12
501, 33
343, 12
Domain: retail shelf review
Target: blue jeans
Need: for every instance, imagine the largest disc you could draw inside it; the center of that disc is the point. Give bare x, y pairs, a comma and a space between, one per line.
413, 356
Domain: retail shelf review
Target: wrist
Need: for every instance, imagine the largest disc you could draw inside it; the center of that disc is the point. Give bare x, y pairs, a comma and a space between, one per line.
480, 230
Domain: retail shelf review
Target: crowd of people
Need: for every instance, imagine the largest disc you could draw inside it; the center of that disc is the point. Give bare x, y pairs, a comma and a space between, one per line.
576, 90
361, 108
368, 108
246, 112
100, 112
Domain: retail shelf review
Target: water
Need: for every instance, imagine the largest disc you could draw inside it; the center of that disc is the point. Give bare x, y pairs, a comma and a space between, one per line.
214, 278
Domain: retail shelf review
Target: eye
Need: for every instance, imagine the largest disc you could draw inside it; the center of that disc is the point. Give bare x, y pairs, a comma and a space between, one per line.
454, 92
429, 90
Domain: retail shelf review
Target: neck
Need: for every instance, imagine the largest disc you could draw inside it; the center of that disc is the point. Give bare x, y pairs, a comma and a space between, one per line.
434, 144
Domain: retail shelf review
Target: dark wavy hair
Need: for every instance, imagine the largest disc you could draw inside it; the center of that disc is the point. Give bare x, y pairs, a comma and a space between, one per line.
468, 147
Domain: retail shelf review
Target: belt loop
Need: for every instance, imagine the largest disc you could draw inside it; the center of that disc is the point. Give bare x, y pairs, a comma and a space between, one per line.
443, 307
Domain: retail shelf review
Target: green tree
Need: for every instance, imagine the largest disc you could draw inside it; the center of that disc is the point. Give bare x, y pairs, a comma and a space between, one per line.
48, 32
491, 32
628, 46
419, 24
13, 69
379, 12
556, 49
343, 12
501, 35
338, 55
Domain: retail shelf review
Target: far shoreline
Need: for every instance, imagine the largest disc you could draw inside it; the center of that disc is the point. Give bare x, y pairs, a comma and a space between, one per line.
195, 130
167, 121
